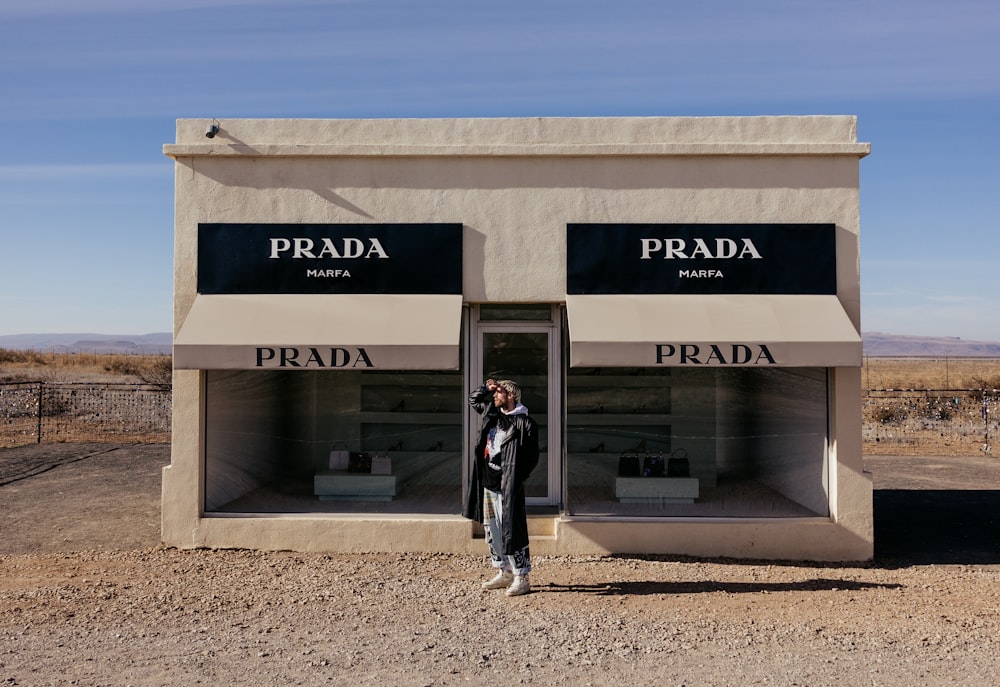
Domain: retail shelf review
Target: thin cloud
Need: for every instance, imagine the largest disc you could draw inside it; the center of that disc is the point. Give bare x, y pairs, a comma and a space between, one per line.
75, 7
958, 300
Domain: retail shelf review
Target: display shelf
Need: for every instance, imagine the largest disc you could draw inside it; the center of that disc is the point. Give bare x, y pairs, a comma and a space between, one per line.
408, 414
405, 379
618, 381
656, 489
340, 485
613, 413
422, 399
618, 396
410, 470
609, 420
391, 417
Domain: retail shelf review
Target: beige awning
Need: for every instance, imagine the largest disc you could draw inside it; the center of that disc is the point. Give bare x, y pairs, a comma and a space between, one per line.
317, 332
729, 330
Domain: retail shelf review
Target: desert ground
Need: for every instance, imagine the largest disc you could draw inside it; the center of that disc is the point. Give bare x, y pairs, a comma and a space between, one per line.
88, 596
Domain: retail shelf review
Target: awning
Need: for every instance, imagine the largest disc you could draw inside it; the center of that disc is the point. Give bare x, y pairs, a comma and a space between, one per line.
728, 330
315, 332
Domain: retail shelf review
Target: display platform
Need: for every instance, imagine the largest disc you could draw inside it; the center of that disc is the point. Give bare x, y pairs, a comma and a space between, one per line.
656, 489
340, 485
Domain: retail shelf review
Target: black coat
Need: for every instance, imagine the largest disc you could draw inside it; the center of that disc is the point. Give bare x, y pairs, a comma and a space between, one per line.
520, 456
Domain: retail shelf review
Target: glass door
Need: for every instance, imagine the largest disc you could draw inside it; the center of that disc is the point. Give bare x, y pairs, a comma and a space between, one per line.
527, 353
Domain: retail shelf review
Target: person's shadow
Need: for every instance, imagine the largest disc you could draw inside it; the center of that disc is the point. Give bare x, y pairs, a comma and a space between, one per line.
708, 586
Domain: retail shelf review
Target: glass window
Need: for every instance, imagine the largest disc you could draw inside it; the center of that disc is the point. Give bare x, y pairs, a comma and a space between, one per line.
523, 358
532, 312
713, 442
271, 437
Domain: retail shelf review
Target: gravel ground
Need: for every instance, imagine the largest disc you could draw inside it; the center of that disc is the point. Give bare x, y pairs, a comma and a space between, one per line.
88, 597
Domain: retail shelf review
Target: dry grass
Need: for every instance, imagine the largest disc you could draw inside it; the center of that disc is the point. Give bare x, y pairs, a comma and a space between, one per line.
33, 366
931, 373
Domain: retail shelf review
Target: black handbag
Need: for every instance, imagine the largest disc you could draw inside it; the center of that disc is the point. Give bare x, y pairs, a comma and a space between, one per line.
359, 461
678, 465
628, 464
652, 466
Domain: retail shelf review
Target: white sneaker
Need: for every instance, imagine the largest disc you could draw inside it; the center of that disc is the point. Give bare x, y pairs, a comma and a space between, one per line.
519, 586
502, 580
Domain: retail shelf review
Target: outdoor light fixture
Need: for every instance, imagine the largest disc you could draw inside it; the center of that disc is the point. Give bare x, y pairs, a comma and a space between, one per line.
212, 129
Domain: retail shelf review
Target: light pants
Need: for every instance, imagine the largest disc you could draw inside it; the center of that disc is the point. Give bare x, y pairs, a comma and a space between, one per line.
520, 562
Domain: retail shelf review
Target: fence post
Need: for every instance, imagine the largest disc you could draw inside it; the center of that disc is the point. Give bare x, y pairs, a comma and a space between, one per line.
41, 392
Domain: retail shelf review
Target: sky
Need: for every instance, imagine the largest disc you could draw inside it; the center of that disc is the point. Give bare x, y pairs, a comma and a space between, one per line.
90, 92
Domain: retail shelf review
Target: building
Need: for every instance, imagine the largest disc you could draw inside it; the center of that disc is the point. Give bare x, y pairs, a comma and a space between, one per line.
675, 293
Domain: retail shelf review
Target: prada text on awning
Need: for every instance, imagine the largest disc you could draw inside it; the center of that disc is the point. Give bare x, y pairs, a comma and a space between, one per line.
720, 330
321, 332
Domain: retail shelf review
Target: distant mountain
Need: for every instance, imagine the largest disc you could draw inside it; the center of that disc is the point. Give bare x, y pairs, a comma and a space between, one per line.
150, 344
879, 345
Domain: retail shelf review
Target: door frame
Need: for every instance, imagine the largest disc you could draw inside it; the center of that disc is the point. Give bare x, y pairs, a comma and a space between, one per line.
474, 378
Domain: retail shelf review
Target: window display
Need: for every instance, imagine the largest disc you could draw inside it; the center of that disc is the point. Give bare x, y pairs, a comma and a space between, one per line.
275, 439
721, 442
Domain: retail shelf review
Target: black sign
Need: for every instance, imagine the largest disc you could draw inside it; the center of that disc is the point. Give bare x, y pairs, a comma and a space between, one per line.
701, 258
330, 258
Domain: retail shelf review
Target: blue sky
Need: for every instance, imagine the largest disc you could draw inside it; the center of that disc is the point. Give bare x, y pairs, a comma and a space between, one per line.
90, 91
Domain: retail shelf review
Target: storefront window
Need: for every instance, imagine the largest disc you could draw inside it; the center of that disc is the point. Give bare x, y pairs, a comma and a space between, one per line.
269, 437
523, 357
728, 442
538, 312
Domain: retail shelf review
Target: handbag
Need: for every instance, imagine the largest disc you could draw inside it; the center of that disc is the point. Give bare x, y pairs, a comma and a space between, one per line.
381, 464
652, 466
339, 458
628, 464
359, 461
678, 465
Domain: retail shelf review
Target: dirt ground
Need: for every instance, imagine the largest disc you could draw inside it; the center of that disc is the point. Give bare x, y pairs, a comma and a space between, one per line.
88, 596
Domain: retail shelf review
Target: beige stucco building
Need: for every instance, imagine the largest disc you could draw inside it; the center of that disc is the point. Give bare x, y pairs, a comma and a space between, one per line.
675, 293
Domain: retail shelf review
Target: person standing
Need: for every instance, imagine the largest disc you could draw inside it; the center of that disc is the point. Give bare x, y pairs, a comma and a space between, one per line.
503, 458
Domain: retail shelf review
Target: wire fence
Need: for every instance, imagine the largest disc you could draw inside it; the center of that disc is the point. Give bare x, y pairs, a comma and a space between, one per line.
46, 412
936, 420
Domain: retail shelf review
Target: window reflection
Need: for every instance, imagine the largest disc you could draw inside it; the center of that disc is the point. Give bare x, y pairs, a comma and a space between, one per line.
746, 442
269, 434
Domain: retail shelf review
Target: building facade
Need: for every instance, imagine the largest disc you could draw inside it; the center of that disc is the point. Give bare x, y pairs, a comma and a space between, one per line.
678, 298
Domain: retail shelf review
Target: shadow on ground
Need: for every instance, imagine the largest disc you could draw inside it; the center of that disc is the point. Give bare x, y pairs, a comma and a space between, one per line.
656, 587
927, 526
